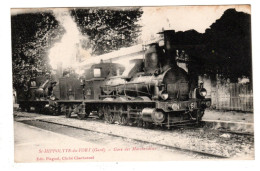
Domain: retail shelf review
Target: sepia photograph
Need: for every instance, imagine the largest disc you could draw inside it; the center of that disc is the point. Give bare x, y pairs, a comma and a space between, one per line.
126, 84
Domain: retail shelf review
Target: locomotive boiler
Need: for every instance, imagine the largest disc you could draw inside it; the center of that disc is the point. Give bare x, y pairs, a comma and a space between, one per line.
150, 91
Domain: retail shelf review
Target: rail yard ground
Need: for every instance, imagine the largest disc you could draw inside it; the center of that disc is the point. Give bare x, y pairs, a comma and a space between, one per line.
53, 143
94, 140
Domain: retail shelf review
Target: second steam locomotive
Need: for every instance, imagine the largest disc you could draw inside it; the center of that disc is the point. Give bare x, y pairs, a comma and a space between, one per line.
150, 91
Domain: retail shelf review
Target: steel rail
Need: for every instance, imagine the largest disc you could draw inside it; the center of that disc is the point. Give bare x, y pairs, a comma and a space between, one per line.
142, 141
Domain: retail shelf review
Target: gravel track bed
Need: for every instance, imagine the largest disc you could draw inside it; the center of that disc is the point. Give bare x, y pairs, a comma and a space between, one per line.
204, 140
111, 142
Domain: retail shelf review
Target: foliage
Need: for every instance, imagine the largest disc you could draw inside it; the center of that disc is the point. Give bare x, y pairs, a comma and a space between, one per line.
229, 42
108, 29
32, 35
224, 49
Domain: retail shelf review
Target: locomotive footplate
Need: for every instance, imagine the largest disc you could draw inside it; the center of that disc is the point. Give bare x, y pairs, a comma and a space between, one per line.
183, 112
178, 106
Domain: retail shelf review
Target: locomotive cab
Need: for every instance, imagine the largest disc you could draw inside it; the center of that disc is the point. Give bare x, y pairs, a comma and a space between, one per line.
98, 75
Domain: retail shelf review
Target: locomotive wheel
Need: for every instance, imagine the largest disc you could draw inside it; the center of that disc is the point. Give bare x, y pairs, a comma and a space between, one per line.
131, 122
68, 115
39, 110
139, 123
58, 110
22, 108
28, 109
55, 112
123, 120
68, 112
109, 117
147, 125
101, 112
63, 113
80, 111
81, 116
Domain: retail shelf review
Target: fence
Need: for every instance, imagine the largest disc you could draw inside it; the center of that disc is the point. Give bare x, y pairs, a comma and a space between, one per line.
233, 96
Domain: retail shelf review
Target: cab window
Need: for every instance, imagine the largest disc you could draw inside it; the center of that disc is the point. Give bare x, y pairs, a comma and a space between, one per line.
97, 72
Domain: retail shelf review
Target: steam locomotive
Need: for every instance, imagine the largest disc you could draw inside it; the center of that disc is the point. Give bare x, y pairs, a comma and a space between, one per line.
153, 91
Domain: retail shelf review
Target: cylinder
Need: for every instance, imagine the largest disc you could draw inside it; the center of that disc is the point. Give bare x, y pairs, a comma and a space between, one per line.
152, 115
147, 114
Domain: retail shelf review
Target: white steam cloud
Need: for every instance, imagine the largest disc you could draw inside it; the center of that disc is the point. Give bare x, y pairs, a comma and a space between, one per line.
68, 51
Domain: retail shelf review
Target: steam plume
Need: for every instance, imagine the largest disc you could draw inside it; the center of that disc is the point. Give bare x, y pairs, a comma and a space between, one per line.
68, 51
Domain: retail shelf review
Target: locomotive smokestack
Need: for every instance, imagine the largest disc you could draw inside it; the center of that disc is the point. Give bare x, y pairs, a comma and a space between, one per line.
169, 59
168, 39
152, 58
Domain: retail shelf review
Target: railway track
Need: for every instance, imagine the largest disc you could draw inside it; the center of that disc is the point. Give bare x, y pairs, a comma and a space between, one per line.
196, 152
191, 126
236, 132
218, 130
186, 127
167, 139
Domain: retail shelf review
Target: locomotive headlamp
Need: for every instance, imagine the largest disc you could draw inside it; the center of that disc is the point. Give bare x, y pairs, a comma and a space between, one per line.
164, 95
203, 92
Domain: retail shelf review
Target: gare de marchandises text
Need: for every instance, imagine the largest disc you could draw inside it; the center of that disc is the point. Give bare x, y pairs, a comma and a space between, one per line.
93, 150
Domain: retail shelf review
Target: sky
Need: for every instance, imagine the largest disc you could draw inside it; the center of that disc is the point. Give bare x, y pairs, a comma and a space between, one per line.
182, 18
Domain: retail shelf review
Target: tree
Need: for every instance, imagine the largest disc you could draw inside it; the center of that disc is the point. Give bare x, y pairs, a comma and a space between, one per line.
108, 29
229, 45
224, 49
32, 36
